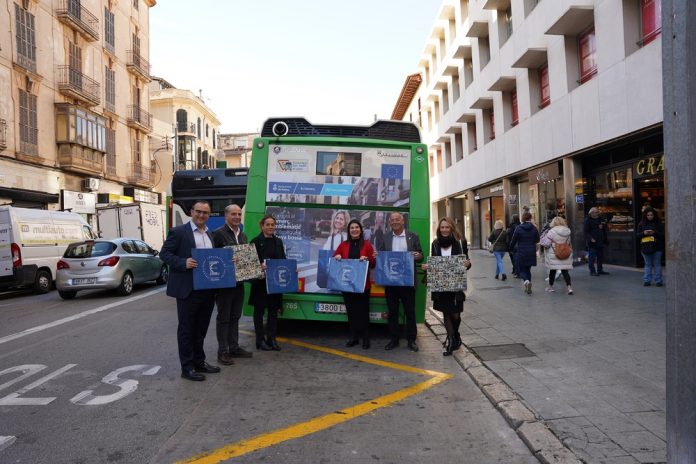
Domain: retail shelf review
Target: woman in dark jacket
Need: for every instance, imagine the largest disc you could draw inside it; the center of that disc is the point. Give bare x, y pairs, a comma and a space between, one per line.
652, 239
525, 238
449, 243
268, 246
357, 304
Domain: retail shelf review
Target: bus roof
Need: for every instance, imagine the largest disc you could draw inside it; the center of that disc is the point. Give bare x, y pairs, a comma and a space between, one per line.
400, 131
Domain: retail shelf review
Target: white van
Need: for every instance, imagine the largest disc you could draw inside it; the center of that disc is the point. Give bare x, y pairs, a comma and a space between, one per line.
32, 241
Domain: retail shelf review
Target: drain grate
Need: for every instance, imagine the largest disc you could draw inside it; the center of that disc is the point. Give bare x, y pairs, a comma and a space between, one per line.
497, 352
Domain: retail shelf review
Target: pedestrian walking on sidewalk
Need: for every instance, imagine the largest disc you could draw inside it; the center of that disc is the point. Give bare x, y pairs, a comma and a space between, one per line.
595, 229
510, 232
557, 256
500, 246
451, 304
652, 239
525, 239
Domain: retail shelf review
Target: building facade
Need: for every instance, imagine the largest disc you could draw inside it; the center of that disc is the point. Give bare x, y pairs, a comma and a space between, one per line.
74, 119
551, 105
185, 131
236, 149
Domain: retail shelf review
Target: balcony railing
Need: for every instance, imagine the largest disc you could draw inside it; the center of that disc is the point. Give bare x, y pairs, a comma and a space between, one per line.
138, 65
72, 13
138, 118
141, 175
26, 63
183, 128
77, 158
73, 83
3, 134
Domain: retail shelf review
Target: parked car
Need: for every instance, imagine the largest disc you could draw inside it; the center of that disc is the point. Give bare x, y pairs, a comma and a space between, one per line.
108, 264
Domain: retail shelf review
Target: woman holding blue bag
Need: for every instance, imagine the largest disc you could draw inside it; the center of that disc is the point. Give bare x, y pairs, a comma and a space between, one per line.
357, 304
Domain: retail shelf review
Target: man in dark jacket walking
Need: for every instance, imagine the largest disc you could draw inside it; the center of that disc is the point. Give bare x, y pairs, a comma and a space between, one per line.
525, 239
595, 229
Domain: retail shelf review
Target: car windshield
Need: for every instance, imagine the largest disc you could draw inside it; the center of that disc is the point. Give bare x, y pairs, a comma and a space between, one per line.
89, 249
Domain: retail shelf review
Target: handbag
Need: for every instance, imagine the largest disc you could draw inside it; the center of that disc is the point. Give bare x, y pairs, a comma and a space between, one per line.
648, 245
491, 246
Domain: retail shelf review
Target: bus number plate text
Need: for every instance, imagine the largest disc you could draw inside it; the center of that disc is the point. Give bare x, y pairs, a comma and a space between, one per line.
331, 308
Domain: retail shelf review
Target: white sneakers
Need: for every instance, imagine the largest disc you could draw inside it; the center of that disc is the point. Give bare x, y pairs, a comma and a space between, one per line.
550, 289
528, 287
570, 290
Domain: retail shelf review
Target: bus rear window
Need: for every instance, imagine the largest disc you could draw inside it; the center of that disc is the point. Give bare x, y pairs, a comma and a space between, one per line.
89, 249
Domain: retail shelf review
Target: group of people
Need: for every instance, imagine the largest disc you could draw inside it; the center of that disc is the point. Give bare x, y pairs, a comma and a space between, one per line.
520, 241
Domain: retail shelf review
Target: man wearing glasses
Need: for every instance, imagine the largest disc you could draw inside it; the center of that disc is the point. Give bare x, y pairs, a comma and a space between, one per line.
194, 307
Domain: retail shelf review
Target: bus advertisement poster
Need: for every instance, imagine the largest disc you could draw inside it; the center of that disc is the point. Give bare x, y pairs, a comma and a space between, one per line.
307, 231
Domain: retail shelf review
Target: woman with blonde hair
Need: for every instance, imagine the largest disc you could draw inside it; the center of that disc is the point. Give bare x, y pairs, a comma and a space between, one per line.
339, 222
499, 241
558, 255
449, 242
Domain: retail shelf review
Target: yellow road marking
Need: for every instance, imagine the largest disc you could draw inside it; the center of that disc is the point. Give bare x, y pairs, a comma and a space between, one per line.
326, 421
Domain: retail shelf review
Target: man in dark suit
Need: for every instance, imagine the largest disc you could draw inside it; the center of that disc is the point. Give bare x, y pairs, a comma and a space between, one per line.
230, 300
399, 239
194, 307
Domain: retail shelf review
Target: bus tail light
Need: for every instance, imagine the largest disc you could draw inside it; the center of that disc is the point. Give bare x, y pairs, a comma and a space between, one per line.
16, 255
62, 265
110, 261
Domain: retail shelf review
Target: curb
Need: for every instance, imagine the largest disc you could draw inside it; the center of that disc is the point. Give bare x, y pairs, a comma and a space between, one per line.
540, 440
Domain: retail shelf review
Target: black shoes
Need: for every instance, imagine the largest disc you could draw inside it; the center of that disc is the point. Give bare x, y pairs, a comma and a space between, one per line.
602, 273
391, 345
263, 346
646, 284
241, 353
593, 273
207, 368
225, 359
448, 347
191, 374
496, 277
659, 284
412, 346
366, 343
504, 277
352, 342
274, 345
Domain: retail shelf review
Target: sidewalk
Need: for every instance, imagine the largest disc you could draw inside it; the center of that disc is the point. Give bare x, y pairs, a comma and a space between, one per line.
596, 372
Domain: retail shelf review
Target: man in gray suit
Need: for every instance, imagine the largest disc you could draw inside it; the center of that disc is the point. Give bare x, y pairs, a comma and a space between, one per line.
400, 239
230, 300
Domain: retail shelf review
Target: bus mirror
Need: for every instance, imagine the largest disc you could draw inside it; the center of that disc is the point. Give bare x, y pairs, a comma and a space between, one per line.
280, 129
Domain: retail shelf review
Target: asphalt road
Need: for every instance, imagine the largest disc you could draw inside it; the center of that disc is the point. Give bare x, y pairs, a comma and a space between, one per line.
96, 380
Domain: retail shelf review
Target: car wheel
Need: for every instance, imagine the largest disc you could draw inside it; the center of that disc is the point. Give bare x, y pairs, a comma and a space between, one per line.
42, 284
126, 287
67, 294
164, 275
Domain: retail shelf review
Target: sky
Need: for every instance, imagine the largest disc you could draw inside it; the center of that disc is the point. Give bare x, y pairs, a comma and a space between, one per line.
330, 61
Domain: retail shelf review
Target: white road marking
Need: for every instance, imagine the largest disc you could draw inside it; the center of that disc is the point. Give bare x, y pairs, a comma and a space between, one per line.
27, 370
65, 320
6, 441
15, 399
126, 386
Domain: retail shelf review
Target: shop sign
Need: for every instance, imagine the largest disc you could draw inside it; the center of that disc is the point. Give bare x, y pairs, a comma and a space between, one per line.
650, 166
544, 174
487, 192
106, 198
79, 202
142, 196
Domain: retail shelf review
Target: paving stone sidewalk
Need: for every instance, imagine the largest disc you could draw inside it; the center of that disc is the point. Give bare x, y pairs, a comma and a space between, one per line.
596, 372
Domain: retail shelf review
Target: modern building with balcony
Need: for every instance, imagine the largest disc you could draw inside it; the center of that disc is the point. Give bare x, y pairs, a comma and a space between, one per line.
554, 106
235, 149
185, 130
76, 117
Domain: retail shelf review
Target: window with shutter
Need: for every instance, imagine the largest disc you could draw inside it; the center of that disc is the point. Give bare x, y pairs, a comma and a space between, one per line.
588, 51
545, 91
26, 38
515, 114
651, 20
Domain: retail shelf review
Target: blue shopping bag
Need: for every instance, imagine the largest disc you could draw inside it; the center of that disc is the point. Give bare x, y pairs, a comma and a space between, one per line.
394, 269
347, 275
215, 268
322, 267
281, 276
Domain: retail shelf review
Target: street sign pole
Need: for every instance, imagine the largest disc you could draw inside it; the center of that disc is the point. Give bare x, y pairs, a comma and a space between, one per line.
679, 93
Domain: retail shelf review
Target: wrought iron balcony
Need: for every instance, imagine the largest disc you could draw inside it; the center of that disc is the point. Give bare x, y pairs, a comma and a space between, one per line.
72, 13
138, 118
183, 128
74, 84
138, 65
77, 158
141, 175
3, 134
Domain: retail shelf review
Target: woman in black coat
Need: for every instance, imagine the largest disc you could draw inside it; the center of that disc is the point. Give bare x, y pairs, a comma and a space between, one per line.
449, 243
268, 246
525, 238
652, 239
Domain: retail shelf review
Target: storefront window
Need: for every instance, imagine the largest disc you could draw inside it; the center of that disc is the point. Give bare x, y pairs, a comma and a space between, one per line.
614, 193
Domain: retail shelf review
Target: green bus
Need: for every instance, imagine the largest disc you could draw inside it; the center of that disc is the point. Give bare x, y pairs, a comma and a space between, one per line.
315, 178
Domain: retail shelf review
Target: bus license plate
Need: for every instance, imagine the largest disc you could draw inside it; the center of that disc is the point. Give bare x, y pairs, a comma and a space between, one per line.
330, 308
88, 280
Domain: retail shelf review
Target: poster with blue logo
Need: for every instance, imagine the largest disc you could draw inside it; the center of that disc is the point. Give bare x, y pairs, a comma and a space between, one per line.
347, 275
281, 276
394, 269
215, 268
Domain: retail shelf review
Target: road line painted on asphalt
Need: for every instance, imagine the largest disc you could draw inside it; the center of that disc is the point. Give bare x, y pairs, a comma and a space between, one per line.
6, 441
326, 421
65, 320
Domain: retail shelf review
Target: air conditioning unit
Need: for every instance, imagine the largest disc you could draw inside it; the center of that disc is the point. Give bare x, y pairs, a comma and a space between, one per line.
90, 183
